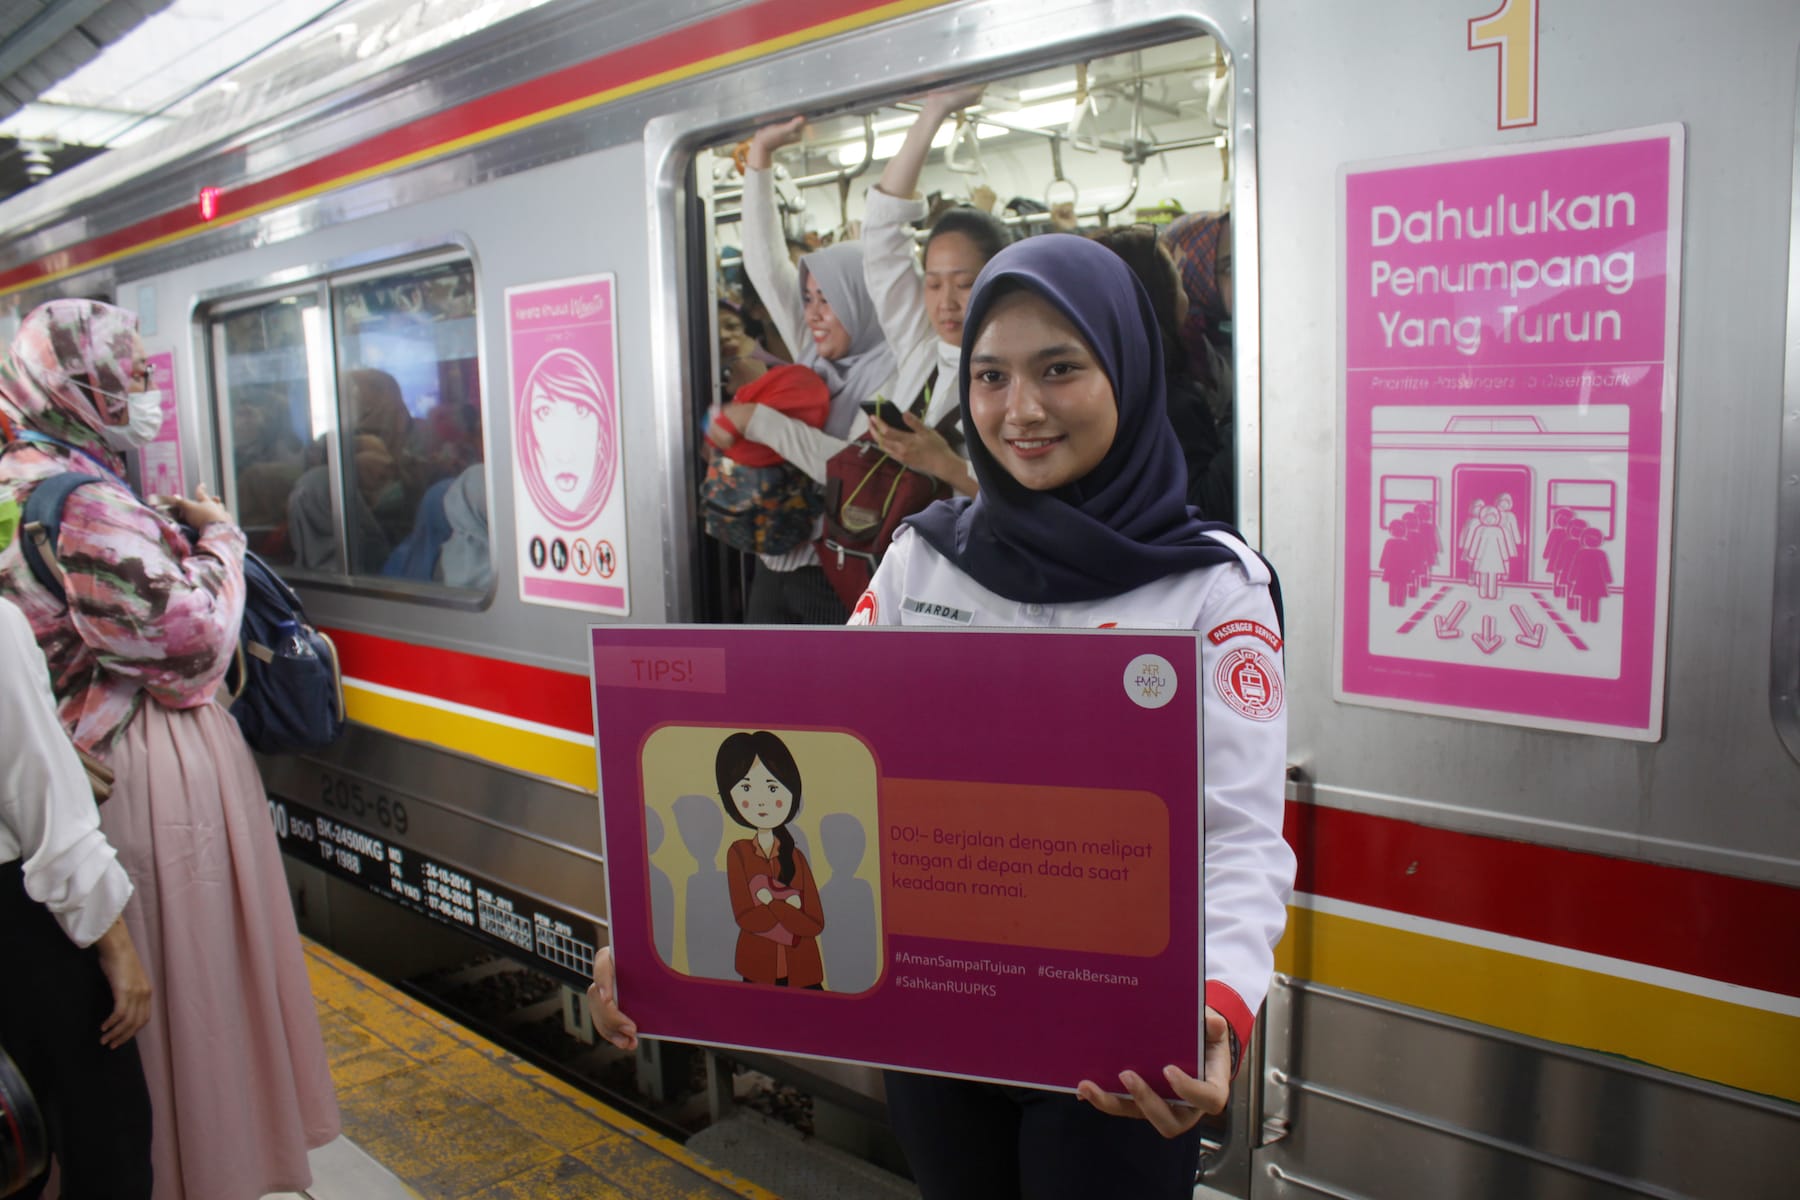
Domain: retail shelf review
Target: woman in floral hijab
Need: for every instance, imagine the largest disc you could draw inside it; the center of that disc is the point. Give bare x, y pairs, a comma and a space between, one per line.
136, 653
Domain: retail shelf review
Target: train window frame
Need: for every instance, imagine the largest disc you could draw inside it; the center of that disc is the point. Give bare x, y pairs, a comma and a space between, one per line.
1784, 665
990, 41
319, 279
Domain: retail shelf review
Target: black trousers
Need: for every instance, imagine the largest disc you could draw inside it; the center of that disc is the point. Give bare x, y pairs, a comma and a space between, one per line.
802, 597
95, 1105
981, 1141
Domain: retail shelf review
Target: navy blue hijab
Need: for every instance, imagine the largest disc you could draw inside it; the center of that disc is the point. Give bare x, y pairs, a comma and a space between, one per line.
1124, 524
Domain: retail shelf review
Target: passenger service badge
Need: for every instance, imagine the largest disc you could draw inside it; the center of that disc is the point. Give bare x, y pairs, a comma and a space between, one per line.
1248, 682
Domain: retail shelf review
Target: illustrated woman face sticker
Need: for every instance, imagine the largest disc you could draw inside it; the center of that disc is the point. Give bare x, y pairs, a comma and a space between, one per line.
568, 447
763, 801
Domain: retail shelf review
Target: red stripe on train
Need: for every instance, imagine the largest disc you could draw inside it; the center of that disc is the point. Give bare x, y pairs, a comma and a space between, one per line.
555, 698
1715, 926
670, 51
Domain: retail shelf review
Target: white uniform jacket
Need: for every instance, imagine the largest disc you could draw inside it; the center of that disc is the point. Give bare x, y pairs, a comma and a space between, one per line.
47, 813
1249, 868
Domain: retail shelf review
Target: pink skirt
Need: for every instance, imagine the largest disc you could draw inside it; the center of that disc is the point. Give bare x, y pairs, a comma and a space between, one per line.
240, 1087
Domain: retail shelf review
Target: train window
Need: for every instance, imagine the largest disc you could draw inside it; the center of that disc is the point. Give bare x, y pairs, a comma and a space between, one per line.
269, 353
352, 417
1132, 139
409, 398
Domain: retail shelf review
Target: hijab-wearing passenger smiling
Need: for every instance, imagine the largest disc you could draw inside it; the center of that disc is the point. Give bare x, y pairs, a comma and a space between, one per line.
1081, 523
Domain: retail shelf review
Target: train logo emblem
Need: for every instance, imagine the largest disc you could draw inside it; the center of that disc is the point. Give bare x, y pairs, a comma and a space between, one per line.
864, 612
1248, 682
1150, 681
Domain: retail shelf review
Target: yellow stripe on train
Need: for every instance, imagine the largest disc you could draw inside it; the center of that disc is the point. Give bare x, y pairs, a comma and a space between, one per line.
1712, 1039
516, 749
1709, 1038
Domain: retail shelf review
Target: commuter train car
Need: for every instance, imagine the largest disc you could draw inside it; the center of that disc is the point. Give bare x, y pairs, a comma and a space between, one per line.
1517, 414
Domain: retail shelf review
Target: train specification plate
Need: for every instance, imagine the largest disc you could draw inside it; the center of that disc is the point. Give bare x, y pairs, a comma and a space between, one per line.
549, 938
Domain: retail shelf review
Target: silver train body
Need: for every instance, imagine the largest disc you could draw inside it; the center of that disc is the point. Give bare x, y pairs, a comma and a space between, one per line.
1406, 1050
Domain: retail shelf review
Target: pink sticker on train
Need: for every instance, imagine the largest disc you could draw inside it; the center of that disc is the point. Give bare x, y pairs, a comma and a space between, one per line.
568, 467
1508, 336
159, 463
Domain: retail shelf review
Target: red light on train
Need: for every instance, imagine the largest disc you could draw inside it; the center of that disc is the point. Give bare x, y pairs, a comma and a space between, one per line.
209, 203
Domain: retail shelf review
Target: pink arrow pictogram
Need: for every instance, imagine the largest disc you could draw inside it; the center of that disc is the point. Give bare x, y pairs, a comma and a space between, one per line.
1487, 641
1446, 625
1529, 634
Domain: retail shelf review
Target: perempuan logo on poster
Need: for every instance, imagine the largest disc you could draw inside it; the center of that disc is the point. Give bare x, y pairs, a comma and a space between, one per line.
1494, 252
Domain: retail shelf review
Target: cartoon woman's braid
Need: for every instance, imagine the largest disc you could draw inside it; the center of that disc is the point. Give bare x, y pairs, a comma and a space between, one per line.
786, 857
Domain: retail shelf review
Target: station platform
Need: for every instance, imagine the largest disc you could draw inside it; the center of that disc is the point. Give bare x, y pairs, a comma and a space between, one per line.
432, 1111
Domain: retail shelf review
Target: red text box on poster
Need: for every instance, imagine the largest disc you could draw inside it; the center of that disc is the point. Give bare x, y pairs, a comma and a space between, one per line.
1083, 869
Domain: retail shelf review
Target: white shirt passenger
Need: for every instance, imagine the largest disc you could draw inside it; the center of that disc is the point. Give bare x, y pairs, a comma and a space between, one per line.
47, 812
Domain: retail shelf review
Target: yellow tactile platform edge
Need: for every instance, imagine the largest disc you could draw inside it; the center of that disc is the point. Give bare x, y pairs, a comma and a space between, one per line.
455, 1117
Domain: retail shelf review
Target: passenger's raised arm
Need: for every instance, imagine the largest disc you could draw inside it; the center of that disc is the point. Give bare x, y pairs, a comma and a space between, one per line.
900, 178
772, 273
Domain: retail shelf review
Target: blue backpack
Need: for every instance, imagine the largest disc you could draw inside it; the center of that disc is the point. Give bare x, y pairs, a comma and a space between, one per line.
286, 691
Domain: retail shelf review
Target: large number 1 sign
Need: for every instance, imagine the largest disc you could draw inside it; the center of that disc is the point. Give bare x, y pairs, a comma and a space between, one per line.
1513, 30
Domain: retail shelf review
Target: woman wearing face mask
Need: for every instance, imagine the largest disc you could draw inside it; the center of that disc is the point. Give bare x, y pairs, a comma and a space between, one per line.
238, 1079
822, 310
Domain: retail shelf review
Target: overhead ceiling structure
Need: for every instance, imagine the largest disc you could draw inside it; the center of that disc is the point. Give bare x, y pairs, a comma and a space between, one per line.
42, 42
81, 76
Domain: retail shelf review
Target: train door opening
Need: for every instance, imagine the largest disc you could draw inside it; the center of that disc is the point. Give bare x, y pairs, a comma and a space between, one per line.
1132, 147
1507, 491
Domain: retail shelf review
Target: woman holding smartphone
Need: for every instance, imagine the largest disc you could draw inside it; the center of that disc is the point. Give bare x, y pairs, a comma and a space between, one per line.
920, 312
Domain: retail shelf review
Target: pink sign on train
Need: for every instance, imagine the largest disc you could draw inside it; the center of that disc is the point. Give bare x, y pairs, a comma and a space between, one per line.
568, 468
159, 463
1508, 413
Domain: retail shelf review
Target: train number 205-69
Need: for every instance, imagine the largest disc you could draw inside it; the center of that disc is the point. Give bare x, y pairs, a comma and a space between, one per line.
361, 802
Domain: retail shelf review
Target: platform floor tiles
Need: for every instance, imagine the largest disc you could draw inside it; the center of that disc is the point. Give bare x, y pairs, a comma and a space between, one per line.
432, 1111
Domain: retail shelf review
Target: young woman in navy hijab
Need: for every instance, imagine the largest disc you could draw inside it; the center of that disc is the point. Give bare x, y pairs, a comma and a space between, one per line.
1080, 521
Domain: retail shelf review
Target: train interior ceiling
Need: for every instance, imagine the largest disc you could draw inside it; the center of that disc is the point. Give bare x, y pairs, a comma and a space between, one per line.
1122, 138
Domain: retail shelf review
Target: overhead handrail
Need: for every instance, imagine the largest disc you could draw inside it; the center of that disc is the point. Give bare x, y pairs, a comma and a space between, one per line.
823, 177
1107, 214
1087, 112
965, 131
1057, 177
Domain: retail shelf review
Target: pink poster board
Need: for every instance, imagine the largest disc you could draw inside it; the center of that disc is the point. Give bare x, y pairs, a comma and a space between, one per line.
159, 463
568, 470
1508, 416
958, 887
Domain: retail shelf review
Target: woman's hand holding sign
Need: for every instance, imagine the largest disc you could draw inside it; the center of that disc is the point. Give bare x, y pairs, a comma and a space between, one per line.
1207, 1095
613, 1025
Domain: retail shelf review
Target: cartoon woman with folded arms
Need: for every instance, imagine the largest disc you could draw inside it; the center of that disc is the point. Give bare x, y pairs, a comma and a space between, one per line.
773, 895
